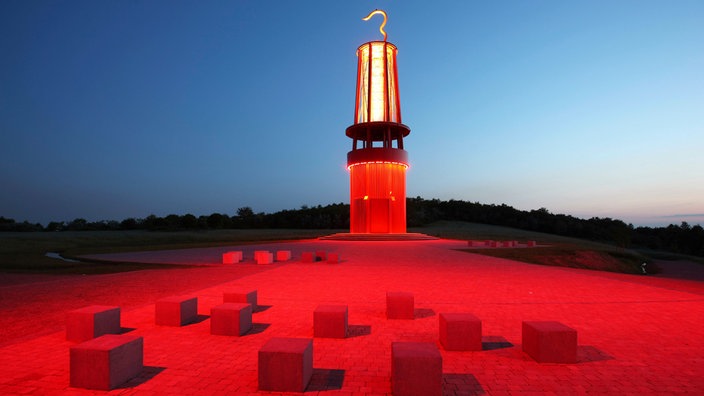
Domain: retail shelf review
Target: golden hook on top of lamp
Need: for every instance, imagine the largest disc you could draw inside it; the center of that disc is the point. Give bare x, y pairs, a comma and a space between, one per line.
383, 13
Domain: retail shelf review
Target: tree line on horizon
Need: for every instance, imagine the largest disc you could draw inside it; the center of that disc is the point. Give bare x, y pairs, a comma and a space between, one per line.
683, 238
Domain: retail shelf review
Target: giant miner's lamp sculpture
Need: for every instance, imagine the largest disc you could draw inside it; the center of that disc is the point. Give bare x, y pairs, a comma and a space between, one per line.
377, 162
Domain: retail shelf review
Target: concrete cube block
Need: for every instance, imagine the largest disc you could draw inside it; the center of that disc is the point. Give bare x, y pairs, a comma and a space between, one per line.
231, 319
106, 362
240, 296
263, 257
285, 364
232, 257
549, 342
399, 305
92, 321
460, 332
307, 257
283, 255
416, 369
330, 321
176, 311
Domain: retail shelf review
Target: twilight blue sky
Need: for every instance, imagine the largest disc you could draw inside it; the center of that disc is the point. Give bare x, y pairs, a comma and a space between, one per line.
116, 109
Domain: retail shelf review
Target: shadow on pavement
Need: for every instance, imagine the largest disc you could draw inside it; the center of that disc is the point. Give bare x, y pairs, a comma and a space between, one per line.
461, 384
588, 353
148, 372
358, 330
490, 343
326, 379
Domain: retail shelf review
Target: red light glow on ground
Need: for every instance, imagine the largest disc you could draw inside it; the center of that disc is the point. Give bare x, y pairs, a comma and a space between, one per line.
637, 334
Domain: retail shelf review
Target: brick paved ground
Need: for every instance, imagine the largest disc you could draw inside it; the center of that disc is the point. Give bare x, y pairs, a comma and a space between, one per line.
637, 335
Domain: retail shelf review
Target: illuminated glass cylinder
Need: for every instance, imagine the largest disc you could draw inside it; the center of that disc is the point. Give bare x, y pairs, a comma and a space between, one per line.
377, 162
377, 83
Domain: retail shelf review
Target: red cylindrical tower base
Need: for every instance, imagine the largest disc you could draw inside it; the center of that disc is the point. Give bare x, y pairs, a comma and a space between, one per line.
378, 197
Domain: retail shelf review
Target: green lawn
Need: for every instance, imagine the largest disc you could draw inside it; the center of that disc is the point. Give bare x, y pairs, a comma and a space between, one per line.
26, 252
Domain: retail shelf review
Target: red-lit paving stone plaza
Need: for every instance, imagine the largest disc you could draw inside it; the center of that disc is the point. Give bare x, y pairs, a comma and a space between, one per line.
636, 334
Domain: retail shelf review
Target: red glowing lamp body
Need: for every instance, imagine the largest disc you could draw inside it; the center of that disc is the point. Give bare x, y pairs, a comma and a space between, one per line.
377, 162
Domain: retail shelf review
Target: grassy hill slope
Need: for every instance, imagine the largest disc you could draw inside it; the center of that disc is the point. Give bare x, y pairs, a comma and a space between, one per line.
553, 250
